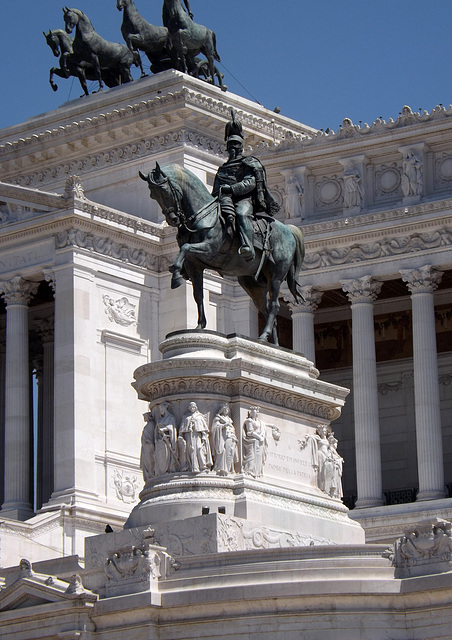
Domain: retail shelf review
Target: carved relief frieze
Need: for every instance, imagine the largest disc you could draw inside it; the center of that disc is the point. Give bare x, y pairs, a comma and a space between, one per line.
248, 389
395, 246
125, 485
107, 247
424, 549
325, 460
120, 311
118, 155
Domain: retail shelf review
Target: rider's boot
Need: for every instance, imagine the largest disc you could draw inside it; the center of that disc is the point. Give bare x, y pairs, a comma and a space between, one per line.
246, 235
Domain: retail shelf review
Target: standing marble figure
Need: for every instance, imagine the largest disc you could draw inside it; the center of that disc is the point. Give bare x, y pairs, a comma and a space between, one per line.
165, 441
195, 433
254, 444
224, 442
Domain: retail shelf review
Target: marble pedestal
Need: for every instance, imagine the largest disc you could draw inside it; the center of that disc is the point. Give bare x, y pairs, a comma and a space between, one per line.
283, 499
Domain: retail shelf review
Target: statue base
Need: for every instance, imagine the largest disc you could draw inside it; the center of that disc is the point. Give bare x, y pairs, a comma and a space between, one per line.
286, 489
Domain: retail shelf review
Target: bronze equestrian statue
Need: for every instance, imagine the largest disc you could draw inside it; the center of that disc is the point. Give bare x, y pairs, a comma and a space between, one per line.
232, 233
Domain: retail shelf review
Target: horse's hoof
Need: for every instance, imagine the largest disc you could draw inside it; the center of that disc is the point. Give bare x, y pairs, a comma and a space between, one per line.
176, 281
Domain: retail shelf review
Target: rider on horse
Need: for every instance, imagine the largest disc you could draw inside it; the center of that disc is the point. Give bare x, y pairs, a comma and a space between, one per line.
241, 186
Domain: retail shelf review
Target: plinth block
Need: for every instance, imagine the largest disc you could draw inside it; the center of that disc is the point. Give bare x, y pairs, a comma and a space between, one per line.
269, 458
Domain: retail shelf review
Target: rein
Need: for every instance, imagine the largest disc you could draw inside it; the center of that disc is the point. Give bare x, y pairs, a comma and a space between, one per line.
198, 215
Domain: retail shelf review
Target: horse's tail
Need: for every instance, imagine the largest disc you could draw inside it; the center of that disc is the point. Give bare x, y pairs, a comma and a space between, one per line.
215, 52
295, 267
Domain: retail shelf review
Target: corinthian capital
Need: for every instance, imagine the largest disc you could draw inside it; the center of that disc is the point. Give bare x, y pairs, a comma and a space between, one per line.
362, 290
311, 301
17, 290
423, 280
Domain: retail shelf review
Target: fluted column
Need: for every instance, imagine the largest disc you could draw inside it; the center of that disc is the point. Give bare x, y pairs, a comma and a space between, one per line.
421, 284
2, 412
303, 322
17, 501
362, 293
45, 329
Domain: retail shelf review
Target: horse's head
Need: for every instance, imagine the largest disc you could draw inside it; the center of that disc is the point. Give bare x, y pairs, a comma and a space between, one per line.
53, 42
166, 192
121, 4
70, 19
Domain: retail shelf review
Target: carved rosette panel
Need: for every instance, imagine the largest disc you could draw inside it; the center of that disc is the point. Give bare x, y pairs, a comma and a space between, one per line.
443, 170
329, 193
387, 182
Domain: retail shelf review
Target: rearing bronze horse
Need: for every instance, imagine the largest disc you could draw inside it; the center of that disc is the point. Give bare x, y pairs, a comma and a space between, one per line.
205, 244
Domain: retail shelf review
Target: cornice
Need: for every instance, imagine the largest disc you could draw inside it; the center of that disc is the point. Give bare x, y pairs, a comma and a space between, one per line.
378, 218
350, 132
141, 112
218, 386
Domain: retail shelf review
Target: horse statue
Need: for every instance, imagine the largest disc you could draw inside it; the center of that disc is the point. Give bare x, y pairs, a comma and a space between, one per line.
140, 34
90, 47
61, 44
188, 39
205, 243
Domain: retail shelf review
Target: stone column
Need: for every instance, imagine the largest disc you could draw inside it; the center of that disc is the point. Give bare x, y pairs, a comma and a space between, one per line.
303, 322
2, 411
421, 284
17, 502
45, 329
362, 293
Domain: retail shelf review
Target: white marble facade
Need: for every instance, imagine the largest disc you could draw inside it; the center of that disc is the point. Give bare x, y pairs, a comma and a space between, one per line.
98, 250
86, 301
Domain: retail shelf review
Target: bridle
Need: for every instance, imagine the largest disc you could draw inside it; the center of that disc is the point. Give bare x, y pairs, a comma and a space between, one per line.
177, 196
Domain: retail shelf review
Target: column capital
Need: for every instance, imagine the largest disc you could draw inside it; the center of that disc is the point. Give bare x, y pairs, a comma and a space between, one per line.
49, 277
362, 290
311, 300
423, 280
45, 328
17, 291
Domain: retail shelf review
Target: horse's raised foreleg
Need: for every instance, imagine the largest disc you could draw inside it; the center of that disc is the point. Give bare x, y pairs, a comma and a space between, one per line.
201, 249
61, 73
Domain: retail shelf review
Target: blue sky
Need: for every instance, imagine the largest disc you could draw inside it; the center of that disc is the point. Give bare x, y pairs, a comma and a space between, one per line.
318, 60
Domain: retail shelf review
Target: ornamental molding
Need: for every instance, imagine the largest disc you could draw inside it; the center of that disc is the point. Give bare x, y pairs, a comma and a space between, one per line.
145, 109
103, 245
386, 248
118, 155
349, 131
252, 391
400, 214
